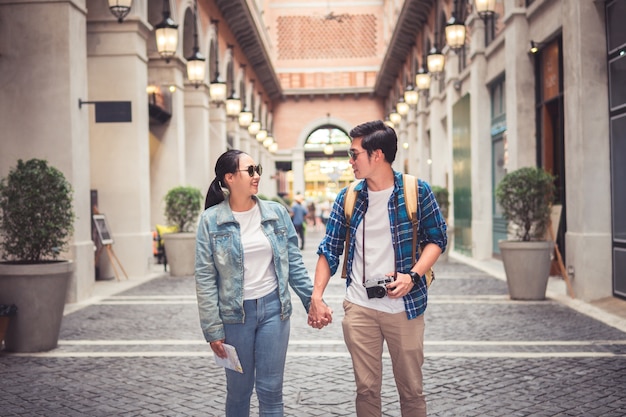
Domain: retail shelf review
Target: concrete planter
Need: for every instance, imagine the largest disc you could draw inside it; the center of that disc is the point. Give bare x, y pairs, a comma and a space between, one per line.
180, 249
39, 292
527, 268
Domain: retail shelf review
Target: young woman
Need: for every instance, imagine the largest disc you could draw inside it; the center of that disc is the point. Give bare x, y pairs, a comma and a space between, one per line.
247, 256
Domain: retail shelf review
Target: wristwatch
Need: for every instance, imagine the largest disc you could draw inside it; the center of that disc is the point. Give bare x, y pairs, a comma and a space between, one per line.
415, 277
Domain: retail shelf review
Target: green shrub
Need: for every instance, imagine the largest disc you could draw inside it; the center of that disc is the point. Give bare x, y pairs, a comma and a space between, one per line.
36, 214
182, 207
526, 197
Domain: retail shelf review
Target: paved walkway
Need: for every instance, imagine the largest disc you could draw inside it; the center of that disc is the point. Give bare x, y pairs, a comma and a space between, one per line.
136, 349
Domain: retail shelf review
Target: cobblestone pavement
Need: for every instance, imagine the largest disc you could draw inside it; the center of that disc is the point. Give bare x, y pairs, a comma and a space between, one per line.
140, 352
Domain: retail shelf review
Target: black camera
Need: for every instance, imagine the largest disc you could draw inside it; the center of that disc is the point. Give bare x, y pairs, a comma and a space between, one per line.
377, 289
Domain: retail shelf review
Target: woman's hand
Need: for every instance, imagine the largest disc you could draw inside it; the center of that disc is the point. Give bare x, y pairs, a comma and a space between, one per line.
218, 348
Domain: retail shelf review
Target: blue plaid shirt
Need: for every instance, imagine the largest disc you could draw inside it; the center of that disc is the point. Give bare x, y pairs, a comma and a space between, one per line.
431, 229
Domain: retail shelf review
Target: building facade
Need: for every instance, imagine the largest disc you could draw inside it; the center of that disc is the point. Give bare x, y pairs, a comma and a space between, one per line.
303, 67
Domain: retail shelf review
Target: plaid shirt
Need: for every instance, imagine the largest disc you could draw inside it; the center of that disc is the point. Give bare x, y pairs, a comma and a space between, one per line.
431, 229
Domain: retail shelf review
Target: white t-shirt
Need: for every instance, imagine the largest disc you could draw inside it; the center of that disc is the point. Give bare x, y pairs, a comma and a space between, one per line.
379, 256
259, 276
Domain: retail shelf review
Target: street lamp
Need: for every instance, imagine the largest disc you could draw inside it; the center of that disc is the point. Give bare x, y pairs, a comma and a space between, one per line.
485, 8
233, 103
411, 95
195, 62
402, 107
435, 61
166, 34
120, 8
245, 116
217, 88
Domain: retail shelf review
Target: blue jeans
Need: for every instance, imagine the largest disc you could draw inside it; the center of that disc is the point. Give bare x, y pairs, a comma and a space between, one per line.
261, 344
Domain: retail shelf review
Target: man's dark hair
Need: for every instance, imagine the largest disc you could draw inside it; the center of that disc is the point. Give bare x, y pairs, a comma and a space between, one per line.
377, 135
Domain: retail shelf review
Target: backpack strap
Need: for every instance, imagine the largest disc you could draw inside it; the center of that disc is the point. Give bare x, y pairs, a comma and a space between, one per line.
348, 208
411, 200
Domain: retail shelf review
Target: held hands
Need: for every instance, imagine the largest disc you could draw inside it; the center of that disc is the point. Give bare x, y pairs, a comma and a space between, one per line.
320, 314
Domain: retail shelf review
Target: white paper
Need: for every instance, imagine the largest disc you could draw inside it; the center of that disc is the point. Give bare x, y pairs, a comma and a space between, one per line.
231, 361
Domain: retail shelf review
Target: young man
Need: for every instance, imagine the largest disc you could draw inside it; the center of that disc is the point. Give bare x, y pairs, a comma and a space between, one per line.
386, 294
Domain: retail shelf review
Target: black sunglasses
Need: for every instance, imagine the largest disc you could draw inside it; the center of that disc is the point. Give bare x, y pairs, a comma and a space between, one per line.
353, 155
252, 169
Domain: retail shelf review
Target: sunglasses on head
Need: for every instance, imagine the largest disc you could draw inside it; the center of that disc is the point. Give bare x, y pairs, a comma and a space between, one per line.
252, 169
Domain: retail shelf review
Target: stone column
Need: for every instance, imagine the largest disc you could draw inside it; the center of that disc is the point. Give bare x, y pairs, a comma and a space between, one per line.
120, 160
44, 74
520, 90
480, 136
167, 144
199, 169
587, 148
217, 132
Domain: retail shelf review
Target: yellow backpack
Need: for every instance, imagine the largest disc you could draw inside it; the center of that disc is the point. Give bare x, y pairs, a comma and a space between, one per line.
411, 201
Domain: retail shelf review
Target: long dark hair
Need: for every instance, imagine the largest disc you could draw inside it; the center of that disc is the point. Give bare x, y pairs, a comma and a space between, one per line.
227, 163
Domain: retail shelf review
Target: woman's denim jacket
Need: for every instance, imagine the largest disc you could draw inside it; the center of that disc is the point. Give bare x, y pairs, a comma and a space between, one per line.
219, 265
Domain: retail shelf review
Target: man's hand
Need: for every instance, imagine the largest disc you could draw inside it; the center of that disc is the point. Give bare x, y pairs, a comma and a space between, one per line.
320, 314
400, 287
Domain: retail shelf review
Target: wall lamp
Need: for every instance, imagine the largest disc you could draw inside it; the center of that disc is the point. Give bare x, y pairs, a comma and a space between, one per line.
263, 132
245, 115
535, 46
435, 60
395, 117
166, 33
411, 95
195, 62
233, 103
255, 126
455, 31
485, 8
217, 88
422, 79
120, 8
402, 107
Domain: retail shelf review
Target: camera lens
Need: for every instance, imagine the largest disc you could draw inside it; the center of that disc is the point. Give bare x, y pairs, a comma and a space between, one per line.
380, 292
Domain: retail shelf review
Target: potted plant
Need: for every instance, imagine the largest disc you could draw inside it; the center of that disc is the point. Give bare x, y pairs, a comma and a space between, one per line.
526, 196
443, 200
182, 207
36, 222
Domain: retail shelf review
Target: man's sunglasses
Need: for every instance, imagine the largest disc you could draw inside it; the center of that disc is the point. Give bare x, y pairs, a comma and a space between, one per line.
252, 169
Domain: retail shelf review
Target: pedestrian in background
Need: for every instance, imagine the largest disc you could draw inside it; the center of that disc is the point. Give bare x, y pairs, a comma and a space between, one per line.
247, 257
298, 216
386, 293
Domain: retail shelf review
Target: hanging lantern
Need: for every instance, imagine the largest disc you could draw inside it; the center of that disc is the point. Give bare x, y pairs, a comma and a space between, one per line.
166, 33
120, 8
435, 61
455, 33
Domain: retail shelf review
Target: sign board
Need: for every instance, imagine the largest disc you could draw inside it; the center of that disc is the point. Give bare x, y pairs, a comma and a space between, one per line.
103, 229
113, 112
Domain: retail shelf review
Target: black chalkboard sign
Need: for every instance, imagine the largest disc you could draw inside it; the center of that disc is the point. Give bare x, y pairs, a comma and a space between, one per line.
103, 229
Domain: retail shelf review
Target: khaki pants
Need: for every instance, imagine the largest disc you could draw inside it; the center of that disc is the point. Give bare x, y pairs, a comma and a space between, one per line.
364, 331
